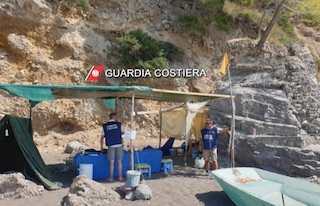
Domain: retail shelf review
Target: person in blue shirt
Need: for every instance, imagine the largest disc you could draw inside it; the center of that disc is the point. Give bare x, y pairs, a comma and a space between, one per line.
111, 135
208, 144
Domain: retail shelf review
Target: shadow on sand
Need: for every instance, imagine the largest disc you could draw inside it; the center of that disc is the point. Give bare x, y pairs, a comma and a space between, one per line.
215, 198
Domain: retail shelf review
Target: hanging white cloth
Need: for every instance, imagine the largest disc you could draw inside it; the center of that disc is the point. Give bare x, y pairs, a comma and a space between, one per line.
173, 122
193, 108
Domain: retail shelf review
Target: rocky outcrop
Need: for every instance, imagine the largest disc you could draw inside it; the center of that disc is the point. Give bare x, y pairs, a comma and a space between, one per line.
14, 186
52, 42
84, 191
277, 95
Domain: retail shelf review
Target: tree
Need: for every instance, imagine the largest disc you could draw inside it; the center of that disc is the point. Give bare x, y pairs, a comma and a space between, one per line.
270, 26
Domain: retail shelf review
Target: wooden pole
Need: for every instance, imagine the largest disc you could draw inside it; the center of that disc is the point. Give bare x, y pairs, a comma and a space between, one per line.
160, 113
232, 120
30, 115
116, 106
131, 143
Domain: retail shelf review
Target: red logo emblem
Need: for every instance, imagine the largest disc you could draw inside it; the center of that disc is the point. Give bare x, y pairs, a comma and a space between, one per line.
94, 73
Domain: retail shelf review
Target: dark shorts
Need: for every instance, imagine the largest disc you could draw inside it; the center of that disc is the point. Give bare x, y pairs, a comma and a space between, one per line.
115, 153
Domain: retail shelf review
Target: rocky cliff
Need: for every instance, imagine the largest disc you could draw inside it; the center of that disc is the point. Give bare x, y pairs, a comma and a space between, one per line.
54, 42
277, 94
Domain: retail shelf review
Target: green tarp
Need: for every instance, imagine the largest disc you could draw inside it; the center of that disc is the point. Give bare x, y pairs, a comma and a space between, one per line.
19, 153
38, 93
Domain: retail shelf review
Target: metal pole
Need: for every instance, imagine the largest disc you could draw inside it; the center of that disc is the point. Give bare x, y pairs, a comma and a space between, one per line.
131, 124
232, 121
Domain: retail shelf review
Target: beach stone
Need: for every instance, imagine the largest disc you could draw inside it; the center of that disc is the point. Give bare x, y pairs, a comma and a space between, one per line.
124, 188
14, 186
85, 192
143, 192
129, 195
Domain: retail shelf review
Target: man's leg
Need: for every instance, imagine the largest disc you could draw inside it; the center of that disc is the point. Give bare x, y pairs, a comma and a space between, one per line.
205, 154
215, 159
111, 169
111, 157
207, 165
119, 154
120, 170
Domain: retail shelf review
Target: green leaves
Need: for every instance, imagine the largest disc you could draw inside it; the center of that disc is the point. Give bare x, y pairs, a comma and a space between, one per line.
137, 49
311, 11
244, 2
191, 22
83, 4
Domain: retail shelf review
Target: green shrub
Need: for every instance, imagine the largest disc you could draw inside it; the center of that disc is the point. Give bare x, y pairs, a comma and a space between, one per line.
311, 19
157, 62
192, 22
137, 49
83, 4
244, 2
310, 10
213, 5
263, 4
222, 20
285, 24
170, 51
247, 17
280, 37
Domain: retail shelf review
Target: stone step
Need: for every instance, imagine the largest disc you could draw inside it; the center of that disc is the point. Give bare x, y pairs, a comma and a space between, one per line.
267, 106
290, 141
294, 155
246, 125
286, 159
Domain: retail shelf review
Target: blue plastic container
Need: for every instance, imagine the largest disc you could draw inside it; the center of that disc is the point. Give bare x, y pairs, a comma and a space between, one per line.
101, 163
195, 153
173, 152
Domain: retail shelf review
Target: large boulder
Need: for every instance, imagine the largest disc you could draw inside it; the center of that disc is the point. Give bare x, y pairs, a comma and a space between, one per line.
143, 192
14, 186
85, 192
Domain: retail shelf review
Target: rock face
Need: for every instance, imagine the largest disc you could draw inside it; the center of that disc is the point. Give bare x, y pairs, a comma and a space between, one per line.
84, 192
278, 97
14, 186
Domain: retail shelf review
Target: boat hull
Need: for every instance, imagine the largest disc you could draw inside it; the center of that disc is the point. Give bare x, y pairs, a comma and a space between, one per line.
248, 186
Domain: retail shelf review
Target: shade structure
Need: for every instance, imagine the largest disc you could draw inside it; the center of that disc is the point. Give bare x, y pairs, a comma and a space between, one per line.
38, 93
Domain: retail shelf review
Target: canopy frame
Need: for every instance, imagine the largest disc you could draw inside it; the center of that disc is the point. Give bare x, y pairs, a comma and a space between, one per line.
39, 93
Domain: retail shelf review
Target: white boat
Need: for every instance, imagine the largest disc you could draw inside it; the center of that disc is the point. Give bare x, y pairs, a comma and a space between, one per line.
248, 186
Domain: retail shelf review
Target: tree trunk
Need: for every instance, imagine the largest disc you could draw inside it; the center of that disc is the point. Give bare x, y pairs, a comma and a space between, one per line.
260, 23
270, 26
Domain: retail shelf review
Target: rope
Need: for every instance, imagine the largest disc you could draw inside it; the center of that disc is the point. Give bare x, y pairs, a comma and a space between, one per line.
139, 163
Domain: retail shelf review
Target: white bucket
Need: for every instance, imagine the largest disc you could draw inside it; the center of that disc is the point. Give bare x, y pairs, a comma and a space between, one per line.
133, 178
86, 170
